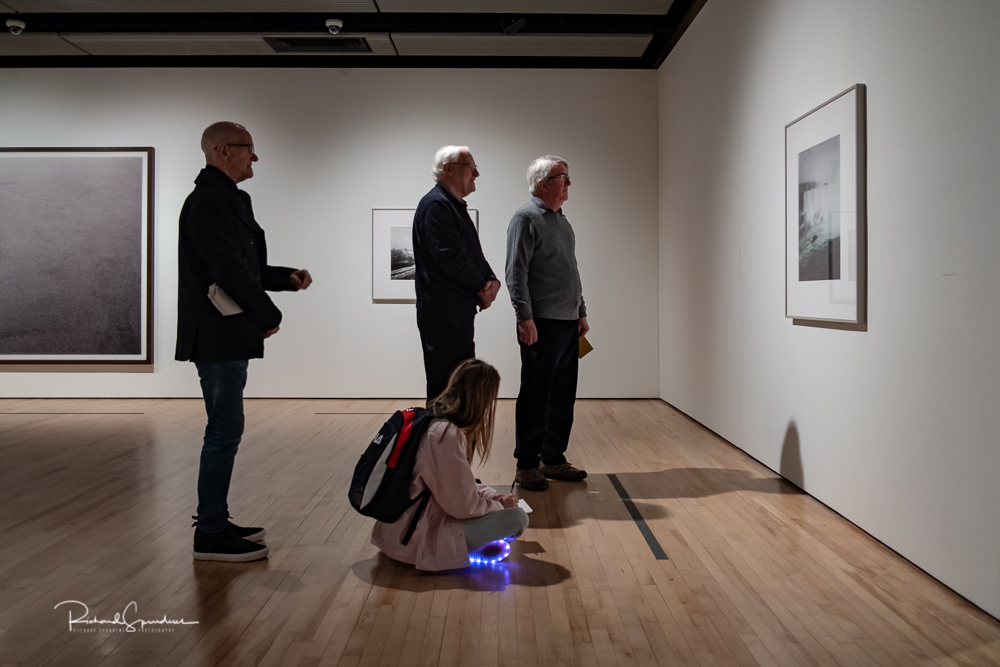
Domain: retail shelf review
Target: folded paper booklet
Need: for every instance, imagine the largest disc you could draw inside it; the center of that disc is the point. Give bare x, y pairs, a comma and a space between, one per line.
223, 301
585, 347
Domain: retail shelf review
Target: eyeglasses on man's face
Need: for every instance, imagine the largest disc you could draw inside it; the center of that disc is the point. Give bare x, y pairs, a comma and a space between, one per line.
249, 147
467, 164
564, 177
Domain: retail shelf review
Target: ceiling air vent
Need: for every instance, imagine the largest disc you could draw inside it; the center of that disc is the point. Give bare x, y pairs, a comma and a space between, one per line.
319, 44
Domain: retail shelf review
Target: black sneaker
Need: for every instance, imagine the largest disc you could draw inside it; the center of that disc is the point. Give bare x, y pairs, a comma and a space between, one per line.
253, 534
226, 546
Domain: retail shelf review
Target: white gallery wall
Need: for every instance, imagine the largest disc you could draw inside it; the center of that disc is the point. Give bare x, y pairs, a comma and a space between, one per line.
333, 145
896, 427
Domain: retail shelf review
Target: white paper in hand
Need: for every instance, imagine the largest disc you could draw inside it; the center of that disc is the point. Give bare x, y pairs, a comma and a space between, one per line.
525, 506
222, 301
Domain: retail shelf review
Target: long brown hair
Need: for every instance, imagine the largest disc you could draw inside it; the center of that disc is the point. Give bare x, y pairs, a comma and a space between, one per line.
470, 403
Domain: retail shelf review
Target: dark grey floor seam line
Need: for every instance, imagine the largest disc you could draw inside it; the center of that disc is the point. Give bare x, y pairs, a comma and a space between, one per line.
651, 540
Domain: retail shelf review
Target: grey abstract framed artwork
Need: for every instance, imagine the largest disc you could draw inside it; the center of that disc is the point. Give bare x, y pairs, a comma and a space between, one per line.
76, 266
393, 267
825, 212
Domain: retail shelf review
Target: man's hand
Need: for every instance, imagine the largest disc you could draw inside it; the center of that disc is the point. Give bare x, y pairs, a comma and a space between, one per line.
527, 333
583, 327
488, 294
300, 279
268, 334
508, 501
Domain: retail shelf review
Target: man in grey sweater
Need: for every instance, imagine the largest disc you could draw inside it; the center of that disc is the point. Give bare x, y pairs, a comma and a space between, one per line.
547, 295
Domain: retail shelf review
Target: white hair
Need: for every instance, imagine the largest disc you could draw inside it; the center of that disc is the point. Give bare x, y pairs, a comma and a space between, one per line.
446, 155
219, 133
540, 169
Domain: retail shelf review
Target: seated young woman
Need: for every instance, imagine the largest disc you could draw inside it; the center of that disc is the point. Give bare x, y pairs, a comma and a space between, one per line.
461, 515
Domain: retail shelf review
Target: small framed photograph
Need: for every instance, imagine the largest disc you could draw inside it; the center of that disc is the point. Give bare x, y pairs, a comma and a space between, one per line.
825, 212
393, 267
76, 267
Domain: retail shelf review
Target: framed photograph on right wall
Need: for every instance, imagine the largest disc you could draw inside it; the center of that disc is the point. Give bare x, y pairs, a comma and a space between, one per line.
825, 212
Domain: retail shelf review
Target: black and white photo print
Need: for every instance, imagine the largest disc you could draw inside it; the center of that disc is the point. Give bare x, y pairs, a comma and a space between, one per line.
819, 211
73, 256
402, 266
394, 268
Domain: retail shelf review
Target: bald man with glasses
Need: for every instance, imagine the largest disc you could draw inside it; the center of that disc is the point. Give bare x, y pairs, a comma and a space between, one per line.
453, 278
221, 247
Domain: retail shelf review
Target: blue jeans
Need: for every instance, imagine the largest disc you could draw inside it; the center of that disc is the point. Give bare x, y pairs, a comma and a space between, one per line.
222, 384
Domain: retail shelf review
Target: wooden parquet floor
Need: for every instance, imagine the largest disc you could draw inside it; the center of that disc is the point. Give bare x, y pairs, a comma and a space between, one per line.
96, 495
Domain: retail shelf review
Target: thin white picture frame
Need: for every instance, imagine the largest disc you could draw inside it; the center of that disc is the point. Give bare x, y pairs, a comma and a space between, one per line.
384, 288
826, 218
63, 297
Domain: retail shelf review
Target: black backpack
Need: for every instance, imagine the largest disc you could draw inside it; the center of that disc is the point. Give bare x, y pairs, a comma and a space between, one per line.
381, 484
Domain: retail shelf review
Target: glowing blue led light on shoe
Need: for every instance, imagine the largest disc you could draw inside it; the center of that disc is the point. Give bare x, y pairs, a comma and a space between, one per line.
494, 552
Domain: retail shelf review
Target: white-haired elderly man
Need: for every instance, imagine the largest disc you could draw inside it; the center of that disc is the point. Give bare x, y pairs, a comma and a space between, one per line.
453, 277
547, 295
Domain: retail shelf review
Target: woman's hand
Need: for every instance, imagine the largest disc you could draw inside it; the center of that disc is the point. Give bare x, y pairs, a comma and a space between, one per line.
508, 501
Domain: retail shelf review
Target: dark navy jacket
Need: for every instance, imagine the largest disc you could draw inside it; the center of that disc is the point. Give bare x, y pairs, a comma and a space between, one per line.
451, 267
221, 242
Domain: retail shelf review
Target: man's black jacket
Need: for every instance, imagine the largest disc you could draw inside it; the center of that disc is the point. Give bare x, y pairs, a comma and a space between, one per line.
450, 264
220, 242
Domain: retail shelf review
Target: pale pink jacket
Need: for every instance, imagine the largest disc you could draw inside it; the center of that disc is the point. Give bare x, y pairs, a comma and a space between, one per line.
438, 541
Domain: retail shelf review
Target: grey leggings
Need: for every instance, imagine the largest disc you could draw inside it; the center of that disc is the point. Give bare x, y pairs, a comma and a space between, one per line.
505, 524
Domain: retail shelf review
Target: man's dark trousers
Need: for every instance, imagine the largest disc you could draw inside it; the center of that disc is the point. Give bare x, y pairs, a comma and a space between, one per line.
222, 384
447, 340
544, 413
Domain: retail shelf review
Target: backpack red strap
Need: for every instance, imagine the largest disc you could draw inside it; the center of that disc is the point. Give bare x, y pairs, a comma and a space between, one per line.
404, 435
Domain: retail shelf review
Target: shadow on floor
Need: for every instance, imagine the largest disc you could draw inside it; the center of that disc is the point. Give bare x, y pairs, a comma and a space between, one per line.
697, 483
563, 505
566, 504
522, 567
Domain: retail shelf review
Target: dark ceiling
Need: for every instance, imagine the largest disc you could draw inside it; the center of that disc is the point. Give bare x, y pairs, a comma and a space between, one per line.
580, 34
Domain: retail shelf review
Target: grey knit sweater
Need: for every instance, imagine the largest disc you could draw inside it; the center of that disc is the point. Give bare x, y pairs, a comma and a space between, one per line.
542, 276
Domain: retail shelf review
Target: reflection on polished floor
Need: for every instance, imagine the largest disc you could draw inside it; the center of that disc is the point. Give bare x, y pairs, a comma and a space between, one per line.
96, 495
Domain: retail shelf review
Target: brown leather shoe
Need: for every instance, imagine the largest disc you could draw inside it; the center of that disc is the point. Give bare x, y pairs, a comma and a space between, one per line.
532, 479
564, 472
